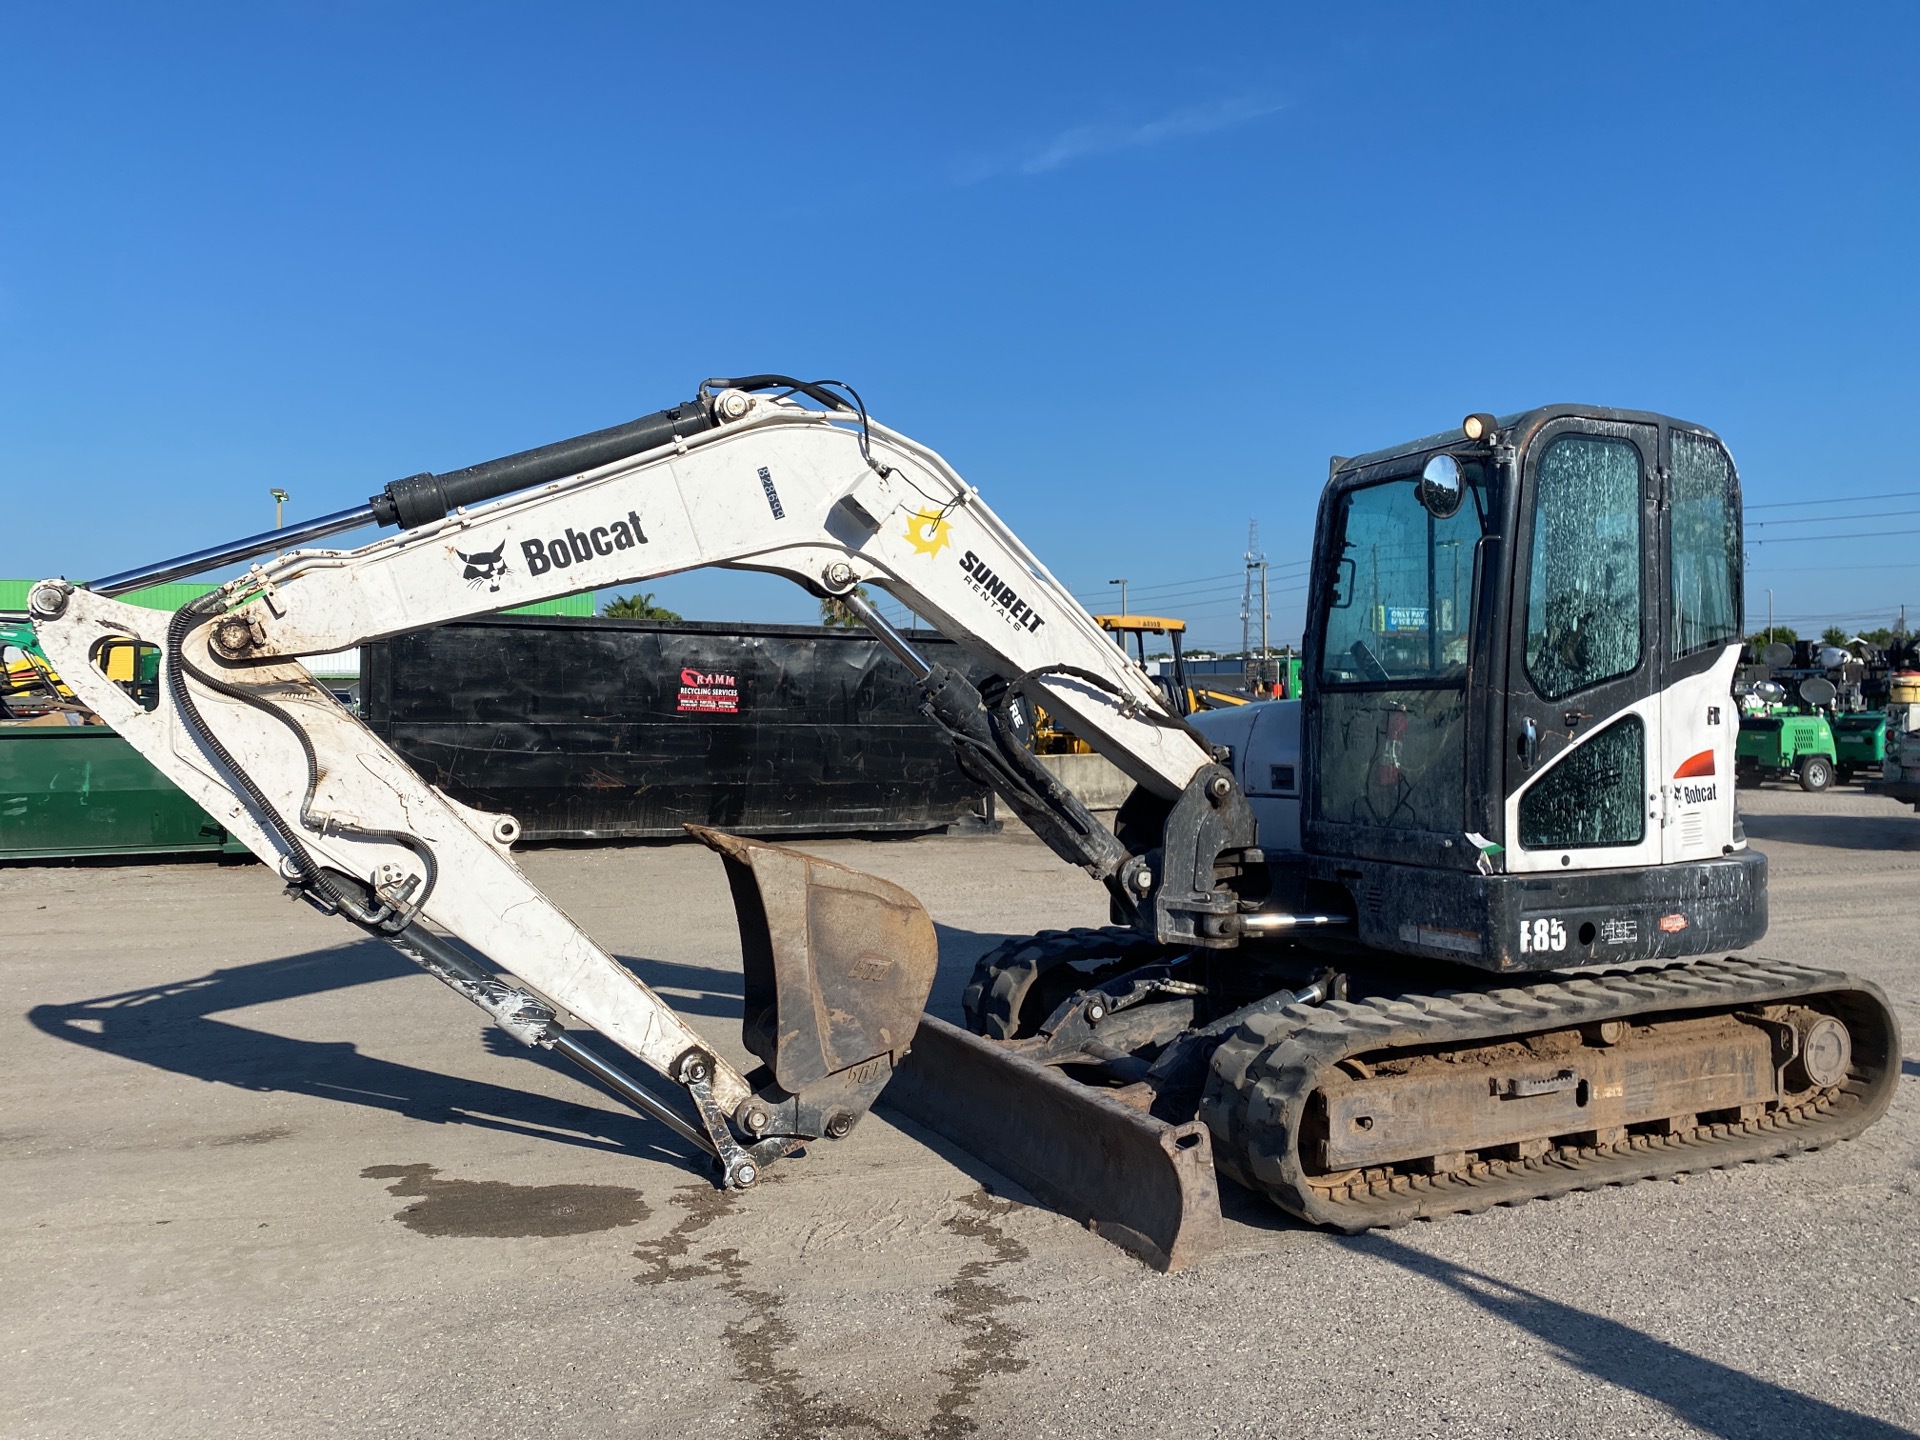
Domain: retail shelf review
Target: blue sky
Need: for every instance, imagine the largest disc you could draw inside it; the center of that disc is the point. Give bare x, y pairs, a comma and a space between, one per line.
1135, 270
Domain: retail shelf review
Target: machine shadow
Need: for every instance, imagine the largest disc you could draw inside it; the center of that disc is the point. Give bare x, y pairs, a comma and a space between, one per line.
172, 1027
690, 989
1835, 832
1717, 1398
698, 990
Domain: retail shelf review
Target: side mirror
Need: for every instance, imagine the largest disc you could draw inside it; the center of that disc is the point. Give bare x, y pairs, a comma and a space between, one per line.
1439, 486
1343, 577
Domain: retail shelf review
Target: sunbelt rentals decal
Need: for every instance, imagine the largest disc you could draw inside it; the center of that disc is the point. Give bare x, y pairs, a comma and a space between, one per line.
929, 533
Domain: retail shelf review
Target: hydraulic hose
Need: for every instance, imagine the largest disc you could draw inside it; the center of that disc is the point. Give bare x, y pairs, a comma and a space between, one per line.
308, 874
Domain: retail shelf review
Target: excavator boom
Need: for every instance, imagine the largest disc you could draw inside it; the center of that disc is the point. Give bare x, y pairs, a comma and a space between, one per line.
838, 964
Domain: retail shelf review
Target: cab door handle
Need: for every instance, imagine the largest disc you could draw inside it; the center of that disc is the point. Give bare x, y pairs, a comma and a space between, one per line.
1529, 743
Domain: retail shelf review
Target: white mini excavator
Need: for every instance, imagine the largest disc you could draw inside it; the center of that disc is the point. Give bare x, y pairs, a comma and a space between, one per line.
1436, 936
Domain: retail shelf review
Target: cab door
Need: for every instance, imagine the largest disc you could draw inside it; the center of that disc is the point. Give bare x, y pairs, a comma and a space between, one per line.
1699, 724
1583, 666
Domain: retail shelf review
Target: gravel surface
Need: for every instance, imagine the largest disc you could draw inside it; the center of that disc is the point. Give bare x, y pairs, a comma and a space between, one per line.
264, 1179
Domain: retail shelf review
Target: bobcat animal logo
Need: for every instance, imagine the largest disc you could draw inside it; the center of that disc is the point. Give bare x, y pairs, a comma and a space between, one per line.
485, 568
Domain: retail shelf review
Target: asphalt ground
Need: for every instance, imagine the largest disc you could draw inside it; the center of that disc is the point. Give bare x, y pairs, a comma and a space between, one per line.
264, 1179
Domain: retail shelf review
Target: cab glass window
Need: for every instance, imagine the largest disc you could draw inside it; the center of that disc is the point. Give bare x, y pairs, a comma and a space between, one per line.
1402, 588
1583, 593
1393, 658
1594, 796
1705, 513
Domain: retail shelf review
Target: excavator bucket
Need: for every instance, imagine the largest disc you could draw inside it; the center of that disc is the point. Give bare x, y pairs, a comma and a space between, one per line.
837, 966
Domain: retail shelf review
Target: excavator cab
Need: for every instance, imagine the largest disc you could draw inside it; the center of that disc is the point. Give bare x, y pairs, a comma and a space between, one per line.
1517, 732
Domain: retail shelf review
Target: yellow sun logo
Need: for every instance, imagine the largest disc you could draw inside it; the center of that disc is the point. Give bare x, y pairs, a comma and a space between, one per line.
927, 532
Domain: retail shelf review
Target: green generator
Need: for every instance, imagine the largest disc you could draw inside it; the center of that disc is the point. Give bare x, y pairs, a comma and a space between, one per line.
1786, 746
1860, 744
1810, 741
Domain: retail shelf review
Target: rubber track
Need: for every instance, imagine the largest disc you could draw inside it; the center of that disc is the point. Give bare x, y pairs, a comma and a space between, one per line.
1263, 1078
1005, 974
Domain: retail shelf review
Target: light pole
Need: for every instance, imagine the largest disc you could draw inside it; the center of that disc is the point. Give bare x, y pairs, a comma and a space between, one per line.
280, 498
1123, 594
1266, 653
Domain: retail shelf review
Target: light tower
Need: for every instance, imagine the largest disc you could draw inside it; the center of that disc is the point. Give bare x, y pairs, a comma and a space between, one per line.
1254, 672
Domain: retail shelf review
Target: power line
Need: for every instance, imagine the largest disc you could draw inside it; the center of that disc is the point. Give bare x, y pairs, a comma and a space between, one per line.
1138, 591
1175, 589
1212, 613
1841, 614
1835, 500
1195, 580
1850, 535
1208, 579
1221, 599
1196, 588
1204, 612
1824, 569
1863, 515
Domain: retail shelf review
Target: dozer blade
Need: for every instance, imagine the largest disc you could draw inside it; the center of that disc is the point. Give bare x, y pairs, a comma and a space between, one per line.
837, 965
1147, 1186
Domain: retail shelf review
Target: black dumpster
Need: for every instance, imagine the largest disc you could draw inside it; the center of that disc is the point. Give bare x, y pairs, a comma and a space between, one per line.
589, 729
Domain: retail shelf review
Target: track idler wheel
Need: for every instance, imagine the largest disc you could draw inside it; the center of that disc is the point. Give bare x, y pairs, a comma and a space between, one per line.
1020, 982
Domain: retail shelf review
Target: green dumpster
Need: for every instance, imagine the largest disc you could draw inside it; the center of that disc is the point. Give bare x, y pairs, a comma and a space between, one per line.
70, 790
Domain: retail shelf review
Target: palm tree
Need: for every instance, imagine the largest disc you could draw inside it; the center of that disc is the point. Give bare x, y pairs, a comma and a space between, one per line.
637, 607
836, 613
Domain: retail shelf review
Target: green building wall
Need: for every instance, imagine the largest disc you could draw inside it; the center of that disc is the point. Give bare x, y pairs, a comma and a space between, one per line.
13, 597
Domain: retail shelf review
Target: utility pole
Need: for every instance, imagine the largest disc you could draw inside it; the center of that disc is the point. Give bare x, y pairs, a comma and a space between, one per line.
1769, 617
1123, 594
280, 498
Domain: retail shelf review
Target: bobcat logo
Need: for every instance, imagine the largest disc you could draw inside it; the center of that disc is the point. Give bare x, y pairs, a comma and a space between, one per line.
485, 568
